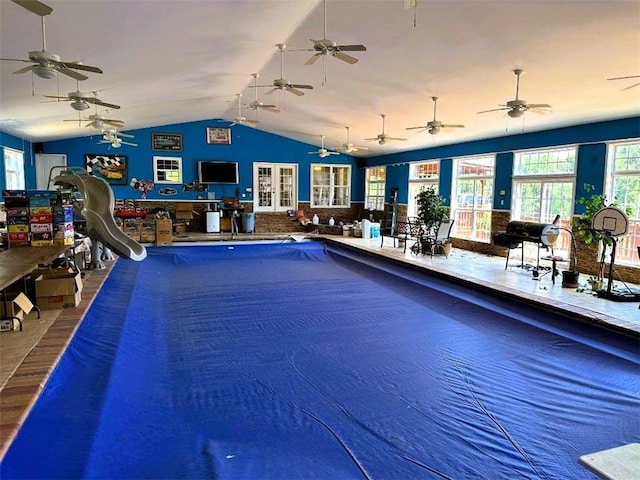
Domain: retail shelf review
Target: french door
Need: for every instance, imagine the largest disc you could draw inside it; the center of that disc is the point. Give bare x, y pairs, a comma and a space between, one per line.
275, 187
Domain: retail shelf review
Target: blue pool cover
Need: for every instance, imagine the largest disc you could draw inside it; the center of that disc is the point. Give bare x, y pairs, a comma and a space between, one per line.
297, 361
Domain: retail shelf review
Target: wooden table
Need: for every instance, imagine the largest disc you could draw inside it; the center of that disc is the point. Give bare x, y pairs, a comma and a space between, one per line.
16, 263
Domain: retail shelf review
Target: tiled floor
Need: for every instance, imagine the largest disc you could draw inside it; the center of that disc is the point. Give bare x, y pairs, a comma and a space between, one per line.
27, 358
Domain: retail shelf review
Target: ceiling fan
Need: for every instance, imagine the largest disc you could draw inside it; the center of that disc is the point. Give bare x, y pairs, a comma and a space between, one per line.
349, 147
98, 121
80, 100
256, 105
383, 138
283, 84
626, 78
323, 152
115, 138
45, 64
518, 107
434, 126
241, 119
329, 47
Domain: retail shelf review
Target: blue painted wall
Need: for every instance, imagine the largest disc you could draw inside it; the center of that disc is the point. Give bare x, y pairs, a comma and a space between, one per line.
592, 159
248, 145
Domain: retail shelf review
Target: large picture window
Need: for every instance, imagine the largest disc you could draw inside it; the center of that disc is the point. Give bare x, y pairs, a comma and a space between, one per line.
543, 187
624, 187
330, 185
375, 184
14, 169
422, 175
472, 201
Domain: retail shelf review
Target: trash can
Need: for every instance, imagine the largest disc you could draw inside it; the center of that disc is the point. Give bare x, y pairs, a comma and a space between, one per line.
248, 222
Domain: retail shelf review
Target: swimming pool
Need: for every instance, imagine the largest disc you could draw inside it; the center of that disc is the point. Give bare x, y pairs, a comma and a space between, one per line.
306, 361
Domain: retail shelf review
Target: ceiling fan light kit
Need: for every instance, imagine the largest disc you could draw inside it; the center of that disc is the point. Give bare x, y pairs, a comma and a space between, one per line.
46, 64
517, 107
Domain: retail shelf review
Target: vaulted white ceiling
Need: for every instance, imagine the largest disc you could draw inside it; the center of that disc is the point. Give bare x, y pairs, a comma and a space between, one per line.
170, 62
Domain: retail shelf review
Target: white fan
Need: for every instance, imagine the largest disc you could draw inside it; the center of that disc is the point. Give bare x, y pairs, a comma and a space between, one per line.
329, 47
115, 138
323, 152
44, 64
434, 126
626, 78
80, 100
257, 105
383, 138
283, 84
98, 121
349, 147
241, 119
516, 108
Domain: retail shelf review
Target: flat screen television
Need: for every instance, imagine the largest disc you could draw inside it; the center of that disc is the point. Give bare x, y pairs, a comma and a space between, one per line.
217, 172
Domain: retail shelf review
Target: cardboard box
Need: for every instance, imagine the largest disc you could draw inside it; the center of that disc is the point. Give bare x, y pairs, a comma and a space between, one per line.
19, 306
184, 211
58, 289
164, 232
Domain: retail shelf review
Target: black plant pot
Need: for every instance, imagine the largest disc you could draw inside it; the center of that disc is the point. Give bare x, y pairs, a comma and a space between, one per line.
570, 279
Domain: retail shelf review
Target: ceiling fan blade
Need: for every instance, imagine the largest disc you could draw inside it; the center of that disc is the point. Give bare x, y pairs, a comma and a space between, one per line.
24, 70
495, 110
129, 143
80, 66
451, 126
251, 123
370, 139
397, 138
72, 73
624, 78
271, 108
417, 128
307, 87
352, 48
631, 86
269, 92
538, 110
295, 91
34, 6
345, 58
115, 123
313, 59
538, 105
97, 101
59, 98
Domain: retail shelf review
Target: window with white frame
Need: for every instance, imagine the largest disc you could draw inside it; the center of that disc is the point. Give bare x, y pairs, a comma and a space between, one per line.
13, 169
374, 183
275, 186
167, 170
624, 187
472, 197
421, 176
330, 185
543, 187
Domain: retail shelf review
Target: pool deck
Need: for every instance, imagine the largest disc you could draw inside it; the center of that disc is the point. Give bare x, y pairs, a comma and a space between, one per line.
27, 358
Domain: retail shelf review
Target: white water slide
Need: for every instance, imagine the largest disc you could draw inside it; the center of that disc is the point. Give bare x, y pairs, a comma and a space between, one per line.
98, 212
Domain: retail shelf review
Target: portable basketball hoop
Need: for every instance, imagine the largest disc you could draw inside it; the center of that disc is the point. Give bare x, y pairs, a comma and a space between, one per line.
613, 222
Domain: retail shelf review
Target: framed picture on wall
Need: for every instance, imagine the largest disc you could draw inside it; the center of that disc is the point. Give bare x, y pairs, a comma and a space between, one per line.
112, 168
169, 142
218, 136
